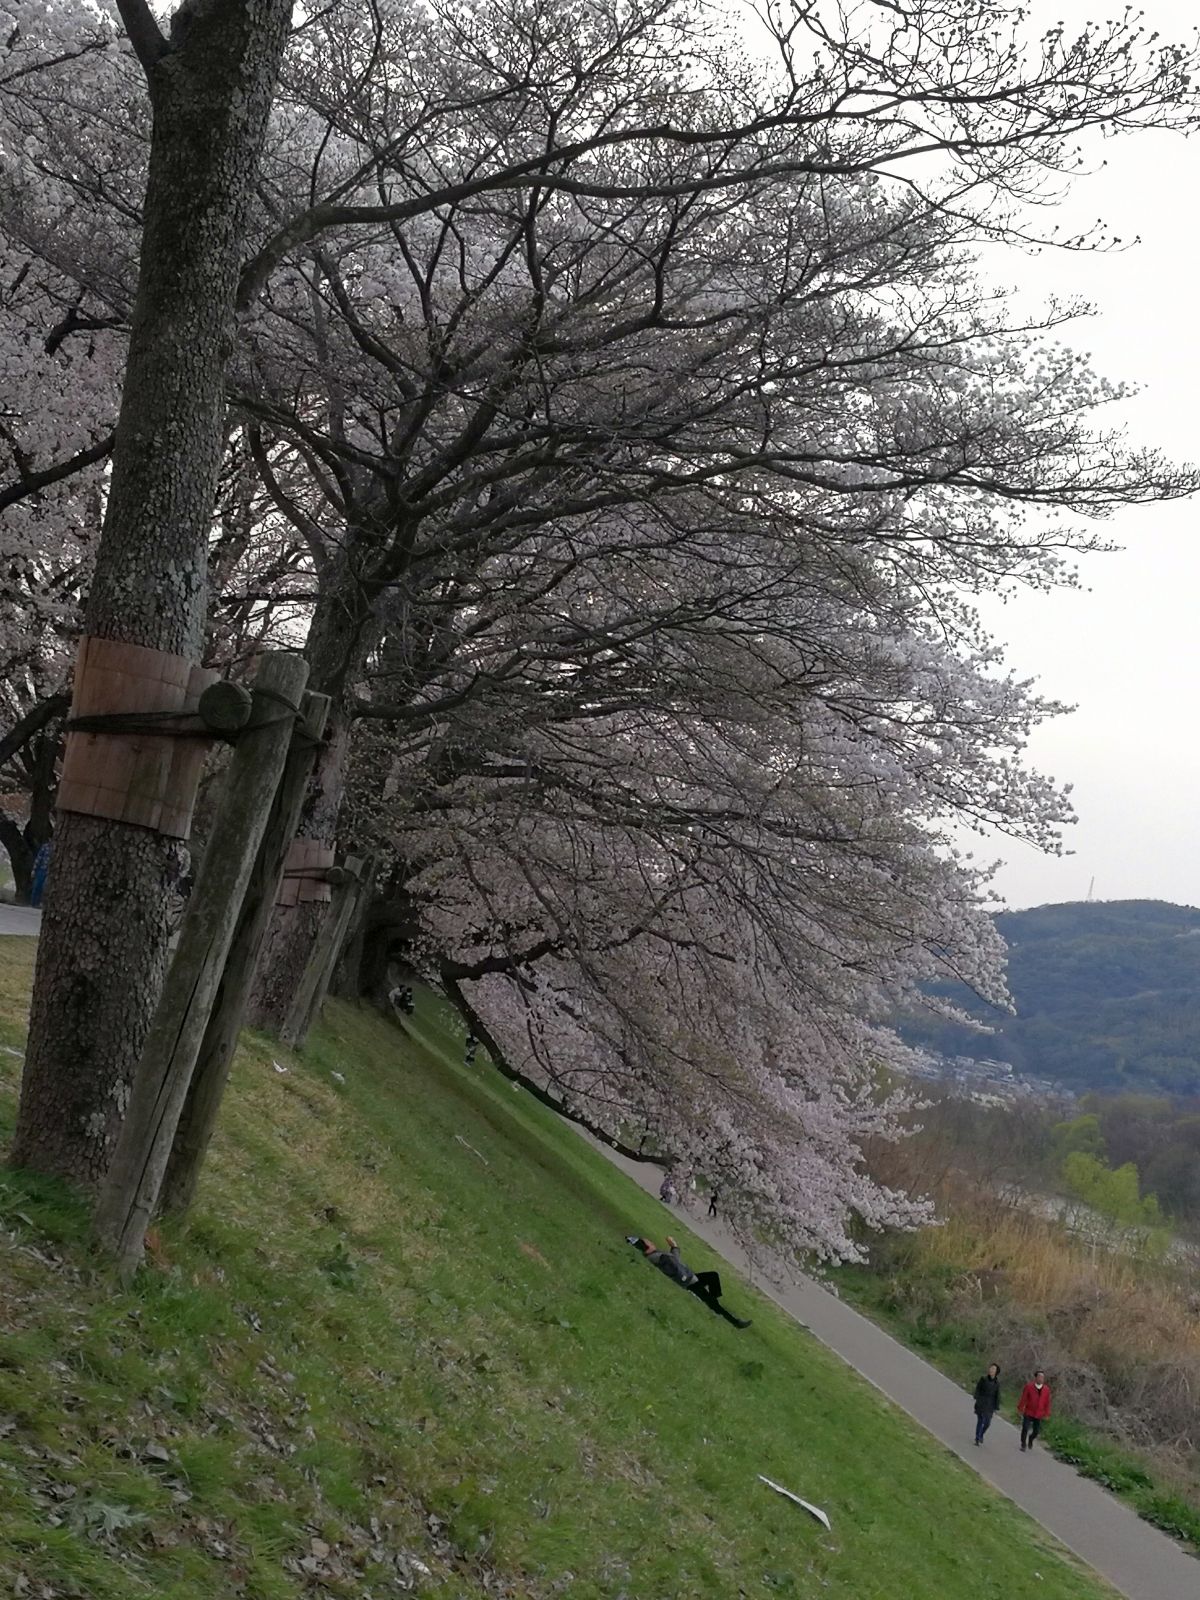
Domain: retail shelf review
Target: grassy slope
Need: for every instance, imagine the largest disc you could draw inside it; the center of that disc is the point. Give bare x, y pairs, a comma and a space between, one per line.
371, 1346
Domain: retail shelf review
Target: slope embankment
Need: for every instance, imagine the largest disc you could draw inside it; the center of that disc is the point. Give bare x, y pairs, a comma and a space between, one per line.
401, 1346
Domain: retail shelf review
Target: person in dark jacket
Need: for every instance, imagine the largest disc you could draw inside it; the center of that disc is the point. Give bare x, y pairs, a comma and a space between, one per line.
1034, 1407
705, 1286
987, 1401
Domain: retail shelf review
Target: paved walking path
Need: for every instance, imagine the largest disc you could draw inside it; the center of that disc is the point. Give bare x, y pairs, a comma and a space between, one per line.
1134, 1557
19, 919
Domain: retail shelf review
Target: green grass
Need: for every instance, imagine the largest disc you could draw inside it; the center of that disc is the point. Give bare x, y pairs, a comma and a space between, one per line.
375, 1344
960, 1350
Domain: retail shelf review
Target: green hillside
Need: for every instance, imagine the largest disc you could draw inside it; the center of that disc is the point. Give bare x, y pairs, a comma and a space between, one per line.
403, 1348
1107, 997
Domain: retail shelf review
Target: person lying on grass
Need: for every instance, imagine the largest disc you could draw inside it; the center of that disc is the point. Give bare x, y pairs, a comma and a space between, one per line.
705, 1286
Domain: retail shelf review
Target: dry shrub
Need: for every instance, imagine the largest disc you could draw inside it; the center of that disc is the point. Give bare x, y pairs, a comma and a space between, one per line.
1118, 1336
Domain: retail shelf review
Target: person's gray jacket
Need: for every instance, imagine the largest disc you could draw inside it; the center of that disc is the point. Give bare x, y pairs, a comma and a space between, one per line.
669, 1261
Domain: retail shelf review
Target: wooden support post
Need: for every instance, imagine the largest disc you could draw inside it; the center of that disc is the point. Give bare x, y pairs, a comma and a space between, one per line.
314, 984
363, 889
203, 1102
129, 1195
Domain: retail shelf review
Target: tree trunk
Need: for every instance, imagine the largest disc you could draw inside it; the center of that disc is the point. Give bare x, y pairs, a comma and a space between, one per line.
20, 858
43, 786
389, 926
35, 752
339, 639
103, 948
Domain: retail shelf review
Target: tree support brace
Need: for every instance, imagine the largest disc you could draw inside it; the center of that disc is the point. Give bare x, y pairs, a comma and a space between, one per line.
140, 725
305, 879
359, 873
129, 1196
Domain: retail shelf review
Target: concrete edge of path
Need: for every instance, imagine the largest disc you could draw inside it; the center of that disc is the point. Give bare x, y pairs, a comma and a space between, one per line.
22, 921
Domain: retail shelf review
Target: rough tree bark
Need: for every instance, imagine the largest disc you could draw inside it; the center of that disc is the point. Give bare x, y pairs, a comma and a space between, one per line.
103, 948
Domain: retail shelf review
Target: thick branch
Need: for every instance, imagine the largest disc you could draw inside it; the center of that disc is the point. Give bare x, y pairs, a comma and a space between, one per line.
471, 971
31, 724
145, 36
30, 483
453, 993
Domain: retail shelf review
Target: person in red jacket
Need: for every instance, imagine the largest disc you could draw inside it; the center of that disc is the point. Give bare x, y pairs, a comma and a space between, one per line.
1034, 1407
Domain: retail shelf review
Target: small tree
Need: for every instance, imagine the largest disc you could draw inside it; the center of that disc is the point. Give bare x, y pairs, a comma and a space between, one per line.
1113, 1194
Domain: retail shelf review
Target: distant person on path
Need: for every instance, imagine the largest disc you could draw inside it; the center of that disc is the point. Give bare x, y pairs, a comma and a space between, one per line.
712, 1202
1034, 1407
987, 1401
666, 1192
705, 1286
41, 871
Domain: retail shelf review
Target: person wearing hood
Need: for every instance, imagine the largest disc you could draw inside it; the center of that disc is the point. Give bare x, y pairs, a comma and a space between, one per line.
987, 1401
706, 1286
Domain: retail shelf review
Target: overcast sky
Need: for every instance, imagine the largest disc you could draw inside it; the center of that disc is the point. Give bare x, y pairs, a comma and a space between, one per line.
1125, 650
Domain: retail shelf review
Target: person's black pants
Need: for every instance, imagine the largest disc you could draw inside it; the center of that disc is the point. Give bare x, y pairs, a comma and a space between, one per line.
983, 1421
707, 1287
1030, 1428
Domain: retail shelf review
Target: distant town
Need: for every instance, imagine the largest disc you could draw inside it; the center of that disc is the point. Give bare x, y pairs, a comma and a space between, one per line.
986, 1080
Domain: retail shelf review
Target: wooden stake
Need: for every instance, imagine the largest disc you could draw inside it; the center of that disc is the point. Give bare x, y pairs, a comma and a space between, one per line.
310, 996
199, 1116
129, 1195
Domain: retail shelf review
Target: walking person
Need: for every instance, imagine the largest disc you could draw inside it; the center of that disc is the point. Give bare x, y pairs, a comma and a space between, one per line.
1034, 1408
987, 1401
705, 1286
41, 871
666, 1192
712, 1202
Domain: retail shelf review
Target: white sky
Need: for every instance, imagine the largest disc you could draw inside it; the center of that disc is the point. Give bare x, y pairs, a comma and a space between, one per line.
1125, 650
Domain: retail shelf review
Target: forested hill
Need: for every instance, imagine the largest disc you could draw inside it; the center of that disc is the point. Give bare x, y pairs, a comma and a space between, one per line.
1107, 996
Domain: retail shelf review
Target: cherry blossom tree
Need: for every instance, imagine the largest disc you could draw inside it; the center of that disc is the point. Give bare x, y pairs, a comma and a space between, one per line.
645, 317
682, 881
630, 409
